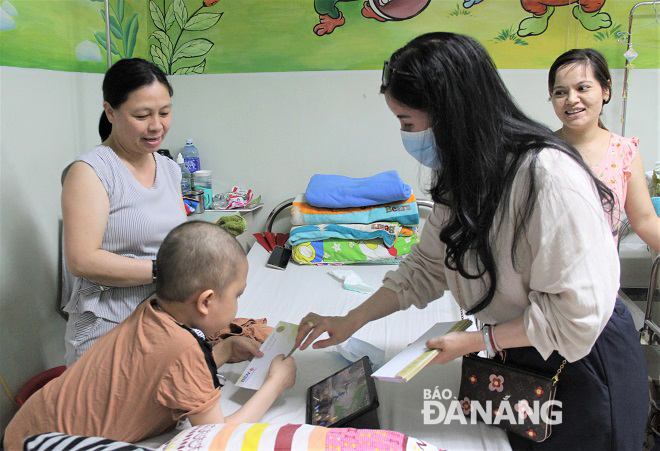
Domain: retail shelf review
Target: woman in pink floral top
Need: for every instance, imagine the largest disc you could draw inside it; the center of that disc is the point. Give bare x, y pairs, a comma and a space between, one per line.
580, 85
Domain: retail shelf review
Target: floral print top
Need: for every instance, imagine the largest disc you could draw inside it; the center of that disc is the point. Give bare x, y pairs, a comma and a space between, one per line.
614, 171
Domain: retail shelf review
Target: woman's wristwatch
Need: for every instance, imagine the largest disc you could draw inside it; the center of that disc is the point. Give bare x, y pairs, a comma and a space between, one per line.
154, 271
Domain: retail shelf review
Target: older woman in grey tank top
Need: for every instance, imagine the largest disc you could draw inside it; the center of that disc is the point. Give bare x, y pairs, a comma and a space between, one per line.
119, 200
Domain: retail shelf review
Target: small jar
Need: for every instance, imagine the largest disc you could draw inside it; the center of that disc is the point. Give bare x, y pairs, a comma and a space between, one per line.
202, 179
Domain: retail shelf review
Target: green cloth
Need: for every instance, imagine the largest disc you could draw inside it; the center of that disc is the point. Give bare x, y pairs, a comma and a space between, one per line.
234, 224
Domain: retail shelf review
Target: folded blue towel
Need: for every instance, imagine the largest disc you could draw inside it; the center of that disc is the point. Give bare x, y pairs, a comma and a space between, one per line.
338, 191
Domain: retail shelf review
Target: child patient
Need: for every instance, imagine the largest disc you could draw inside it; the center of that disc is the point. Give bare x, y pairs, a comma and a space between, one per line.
156, 367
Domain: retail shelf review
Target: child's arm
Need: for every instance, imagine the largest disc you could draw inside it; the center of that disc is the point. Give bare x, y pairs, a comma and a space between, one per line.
282, 375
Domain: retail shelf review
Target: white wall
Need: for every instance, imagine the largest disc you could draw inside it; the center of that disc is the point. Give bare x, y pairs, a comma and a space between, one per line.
47, 118
268, 132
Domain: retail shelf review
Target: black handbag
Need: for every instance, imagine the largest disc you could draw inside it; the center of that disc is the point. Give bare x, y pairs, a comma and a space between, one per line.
496, 393
504, 395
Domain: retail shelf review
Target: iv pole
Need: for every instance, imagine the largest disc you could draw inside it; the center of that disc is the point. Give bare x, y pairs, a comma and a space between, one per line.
628, 64
108, 42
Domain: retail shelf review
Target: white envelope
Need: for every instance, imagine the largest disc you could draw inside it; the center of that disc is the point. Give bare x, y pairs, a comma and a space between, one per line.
280, 341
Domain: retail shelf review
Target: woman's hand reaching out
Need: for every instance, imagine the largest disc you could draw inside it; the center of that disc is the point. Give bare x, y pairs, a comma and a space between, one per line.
339, 328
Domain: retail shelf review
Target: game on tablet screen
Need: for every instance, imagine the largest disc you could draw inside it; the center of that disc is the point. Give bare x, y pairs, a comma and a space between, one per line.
340, 395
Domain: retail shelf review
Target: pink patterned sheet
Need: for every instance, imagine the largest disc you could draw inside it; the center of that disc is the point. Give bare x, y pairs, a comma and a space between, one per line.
283, 437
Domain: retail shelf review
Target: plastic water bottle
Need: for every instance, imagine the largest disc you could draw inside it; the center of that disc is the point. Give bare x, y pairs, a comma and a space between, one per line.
191, 157
185, 174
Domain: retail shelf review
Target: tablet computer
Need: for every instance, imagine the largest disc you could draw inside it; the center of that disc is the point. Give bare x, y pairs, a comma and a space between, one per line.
346, 399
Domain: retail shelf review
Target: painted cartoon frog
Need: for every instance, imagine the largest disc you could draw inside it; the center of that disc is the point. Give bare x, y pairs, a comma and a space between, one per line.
587, 12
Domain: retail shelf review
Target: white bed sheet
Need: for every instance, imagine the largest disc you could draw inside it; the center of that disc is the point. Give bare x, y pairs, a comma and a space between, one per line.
288, 295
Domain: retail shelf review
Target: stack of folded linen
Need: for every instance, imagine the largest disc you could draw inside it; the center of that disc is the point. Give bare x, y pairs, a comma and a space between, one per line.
343, 220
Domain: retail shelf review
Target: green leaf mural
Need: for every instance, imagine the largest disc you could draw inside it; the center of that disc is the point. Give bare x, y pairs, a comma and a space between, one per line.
100, 37
202, 21
120, 10
157, 15
159, 58
130, 35
126, 33
163, 40
170, 28
193, 48
180, 12
234, 36
197, 69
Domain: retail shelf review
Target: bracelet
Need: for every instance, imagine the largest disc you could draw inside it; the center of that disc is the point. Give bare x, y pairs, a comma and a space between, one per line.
492, 340
154, 271
489, 346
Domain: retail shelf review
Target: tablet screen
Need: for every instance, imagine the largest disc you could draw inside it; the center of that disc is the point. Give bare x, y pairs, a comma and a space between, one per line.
340, 395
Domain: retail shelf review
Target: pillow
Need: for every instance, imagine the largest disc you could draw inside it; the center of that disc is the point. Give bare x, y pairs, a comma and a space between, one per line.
282, 437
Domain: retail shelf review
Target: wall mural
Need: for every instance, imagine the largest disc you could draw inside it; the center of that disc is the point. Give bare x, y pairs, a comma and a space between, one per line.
234, 36
171, 22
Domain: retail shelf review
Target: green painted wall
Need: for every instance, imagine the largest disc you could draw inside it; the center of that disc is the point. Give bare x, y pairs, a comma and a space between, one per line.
229, 36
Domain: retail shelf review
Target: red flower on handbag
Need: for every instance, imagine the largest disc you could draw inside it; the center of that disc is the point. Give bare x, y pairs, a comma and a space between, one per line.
209, 2
465, 404
538, 391
496, 383
530, 433
473, 379
522, 407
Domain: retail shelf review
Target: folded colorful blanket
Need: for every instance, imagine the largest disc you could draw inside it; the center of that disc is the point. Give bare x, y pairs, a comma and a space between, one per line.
284, 437
386, 231
347, 252
338, 191
404, 212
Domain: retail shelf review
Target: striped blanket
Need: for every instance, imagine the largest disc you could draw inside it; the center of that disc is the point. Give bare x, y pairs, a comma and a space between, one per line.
386, 231
404, 212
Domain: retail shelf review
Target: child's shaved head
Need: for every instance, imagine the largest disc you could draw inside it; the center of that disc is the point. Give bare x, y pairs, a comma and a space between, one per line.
196, 256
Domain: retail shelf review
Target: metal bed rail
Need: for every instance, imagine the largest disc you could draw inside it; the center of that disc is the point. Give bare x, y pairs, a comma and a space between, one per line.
650, 332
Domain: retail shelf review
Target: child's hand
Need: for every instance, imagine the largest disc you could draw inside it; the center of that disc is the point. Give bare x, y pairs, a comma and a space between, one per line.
282, 372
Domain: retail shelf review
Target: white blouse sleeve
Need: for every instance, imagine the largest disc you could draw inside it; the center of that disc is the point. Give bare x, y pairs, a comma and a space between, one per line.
420, 277
575, 267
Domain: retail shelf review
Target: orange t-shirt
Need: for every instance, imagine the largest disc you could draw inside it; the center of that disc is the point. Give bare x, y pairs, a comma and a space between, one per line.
133, 383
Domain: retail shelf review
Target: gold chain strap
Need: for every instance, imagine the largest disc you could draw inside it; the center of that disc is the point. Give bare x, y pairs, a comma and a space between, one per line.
460, 295
555, 378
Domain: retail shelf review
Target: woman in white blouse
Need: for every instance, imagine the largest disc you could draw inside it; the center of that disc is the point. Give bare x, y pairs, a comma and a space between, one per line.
519, 236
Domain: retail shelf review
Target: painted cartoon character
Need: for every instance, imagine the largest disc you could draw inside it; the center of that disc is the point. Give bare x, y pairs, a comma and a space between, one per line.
587, 12
330, 17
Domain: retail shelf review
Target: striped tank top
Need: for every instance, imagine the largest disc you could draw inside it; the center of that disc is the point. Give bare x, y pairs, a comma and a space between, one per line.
138, 221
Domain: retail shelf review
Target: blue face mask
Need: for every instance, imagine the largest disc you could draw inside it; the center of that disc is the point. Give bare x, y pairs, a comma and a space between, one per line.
421, 145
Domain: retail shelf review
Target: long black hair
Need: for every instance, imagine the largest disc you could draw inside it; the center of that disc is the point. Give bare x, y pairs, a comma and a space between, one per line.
482, 139
124, 77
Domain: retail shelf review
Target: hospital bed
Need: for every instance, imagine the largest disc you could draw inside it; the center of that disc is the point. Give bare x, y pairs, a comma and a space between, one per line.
288, 295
